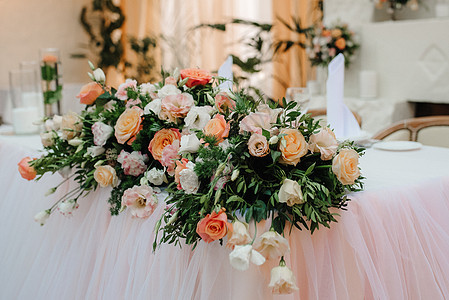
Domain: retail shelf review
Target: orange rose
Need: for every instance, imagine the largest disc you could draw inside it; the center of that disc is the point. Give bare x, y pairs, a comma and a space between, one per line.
128, 124
293, 146
161, 139
224, 103
196, 77
340, 43
326, 33
25, 170
217, 127
89, 93
345, 166
213, 226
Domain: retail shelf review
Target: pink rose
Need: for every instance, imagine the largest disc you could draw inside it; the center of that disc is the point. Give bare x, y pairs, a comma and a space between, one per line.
170, 156
102, 132
89, 93
122, 92
324, 142
170, 80
25, 170
224, 103
141, 200
133, 163
255, 122
177, 105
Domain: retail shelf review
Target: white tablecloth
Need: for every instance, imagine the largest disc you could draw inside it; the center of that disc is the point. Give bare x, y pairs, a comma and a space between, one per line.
391, 243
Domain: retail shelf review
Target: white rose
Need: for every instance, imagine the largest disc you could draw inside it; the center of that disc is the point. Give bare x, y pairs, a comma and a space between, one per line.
147, 89
154, 106
198, 117
42, 217
167, 90
282, 280
155, 176
47, 139
188, 179
242, 255
95, 150
189, 144
57, 121
271, 245
290, 193
99, 75
67, 207
102, 132
239, 235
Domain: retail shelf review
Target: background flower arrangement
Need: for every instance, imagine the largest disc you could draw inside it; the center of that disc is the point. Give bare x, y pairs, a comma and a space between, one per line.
225, 159
325, 43
393, 6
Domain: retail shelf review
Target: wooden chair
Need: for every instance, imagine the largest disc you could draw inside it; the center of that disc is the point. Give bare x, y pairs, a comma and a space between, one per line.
432, 131
323, 112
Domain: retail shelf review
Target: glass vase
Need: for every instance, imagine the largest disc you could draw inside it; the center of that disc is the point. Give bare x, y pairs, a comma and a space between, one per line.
321, 78
51, 75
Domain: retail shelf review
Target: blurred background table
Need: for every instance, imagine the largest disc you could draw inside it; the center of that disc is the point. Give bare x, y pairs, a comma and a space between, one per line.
391, 243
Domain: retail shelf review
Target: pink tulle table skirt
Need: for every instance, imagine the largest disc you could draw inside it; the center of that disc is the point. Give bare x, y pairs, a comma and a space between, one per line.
391, 243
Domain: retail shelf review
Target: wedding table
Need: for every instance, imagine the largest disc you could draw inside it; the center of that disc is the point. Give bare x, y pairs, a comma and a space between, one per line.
391, 243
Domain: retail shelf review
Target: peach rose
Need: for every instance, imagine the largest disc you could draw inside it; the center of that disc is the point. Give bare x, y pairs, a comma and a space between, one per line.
213, 226
340, 43
50, 59
89, 93
258, 145
255, 122
224, 103
345, 166
335, 33
128, 124
177, 105
180, 165
25, 170
293, 146
71, 126
161, 139
105, 175
217, 127
324, 142
196, 77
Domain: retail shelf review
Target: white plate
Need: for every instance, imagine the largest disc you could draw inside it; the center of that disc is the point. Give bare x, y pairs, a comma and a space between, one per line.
397, 145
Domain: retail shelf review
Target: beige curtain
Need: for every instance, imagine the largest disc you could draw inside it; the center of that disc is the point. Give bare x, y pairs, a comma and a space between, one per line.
291, 68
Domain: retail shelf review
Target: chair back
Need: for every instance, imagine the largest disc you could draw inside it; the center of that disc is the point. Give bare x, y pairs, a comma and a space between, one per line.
432, 131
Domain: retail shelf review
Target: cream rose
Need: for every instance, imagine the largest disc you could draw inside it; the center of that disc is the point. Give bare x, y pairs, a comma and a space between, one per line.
345, 166
188, 179
105, 175
258, 145
271, 245
293, 146
128, 124
48, 139
239, 235
168, 90
324, 142
242, 255
290, 193
282, 280
71, 126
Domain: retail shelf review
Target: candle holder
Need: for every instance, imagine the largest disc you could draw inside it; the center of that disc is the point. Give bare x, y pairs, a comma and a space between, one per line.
25, 101
51, 74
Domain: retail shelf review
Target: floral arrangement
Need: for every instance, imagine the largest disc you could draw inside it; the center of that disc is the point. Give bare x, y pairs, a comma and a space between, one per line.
324, 43
224, 160
393, 5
